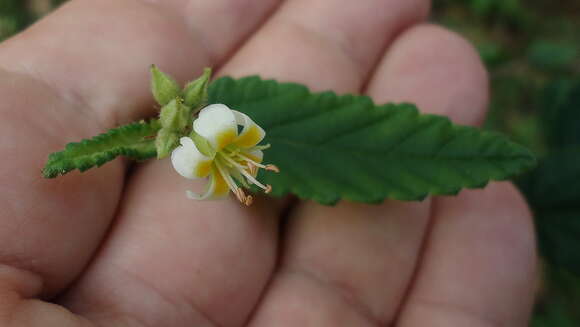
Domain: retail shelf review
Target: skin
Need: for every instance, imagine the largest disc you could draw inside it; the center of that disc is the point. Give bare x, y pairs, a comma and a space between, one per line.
121, 246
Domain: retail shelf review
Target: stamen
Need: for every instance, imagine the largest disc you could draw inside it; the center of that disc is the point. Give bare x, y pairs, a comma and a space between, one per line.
250, 161
241, 195
261, 147
273, 168
253, 168
231, 157
231, 161
253, 180
231, 183
230, 150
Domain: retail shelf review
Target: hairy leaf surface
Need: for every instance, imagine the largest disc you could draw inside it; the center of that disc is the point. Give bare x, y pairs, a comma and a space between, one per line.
135, 141
331, 147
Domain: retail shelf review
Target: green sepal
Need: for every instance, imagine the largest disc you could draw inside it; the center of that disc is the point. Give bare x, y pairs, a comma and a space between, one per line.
165, 142
202, 144
163, 86
195, 92
135, 140
175, 119
175, 116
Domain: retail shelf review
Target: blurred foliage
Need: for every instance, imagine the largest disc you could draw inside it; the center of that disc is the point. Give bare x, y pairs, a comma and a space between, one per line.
532, 50
553, 191
13, 17
526, 45
560, 113
16, 15
558, 303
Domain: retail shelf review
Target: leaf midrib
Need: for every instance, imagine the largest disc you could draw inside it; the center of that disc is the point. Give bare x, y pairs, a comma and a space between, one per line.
351, 150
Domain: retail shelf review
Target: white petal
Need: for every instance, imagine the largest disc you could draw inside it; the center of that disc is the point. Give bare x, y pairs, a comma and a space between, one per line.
217, 124
188, 161
251, 134
216, 189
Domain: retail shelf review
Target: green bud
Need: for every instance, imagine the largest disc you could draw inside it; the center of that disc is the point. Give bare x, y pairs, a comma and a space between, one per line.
202, 144
164, 87
165, 142
175, 116
195, 92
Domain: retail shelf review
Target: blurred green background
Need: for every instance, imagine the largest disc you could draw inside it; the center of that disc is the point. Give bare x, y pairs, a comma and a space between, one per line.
532, 51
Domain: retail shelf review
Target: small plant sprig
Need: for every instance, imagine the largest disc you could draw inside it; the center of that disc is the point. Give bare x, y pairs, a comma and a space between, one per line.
210, 145
328, 147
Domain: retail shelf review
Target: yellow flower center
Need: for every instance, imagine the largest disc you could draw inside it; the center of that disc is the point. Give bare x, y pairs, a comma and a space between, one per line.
237, 165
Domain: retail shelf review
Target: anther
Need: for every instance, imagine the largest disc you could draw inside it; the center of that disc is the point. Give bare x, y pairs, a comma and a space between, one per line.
268, 189
273, 168
249, 200
240, 195
250, 165
253, 169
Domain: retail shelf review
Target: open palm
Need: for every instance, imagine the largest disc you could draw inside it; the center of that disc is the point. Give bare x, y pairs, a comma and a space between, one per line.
119, 247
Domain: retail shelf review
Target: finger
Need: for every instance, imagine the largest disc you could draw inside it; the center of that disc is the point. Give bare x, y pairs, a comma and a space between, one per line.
436, 70
69, 83
296, 289
309, 40
101, 65
361, 258
243, 246
479, 267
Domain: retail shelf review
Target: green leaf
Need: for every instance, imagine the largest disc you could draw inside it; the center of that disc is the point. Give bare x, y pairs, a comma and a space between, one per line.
331, 147
163, 86
135, 141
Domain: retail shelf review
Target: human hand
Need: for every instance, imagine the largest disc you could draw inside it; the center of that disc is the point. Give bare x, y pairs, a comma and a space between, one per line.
124, 247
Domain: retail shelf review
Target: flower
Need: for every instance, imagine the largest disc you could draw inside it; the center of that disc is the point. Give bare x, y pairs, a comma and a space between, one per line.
216, 149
